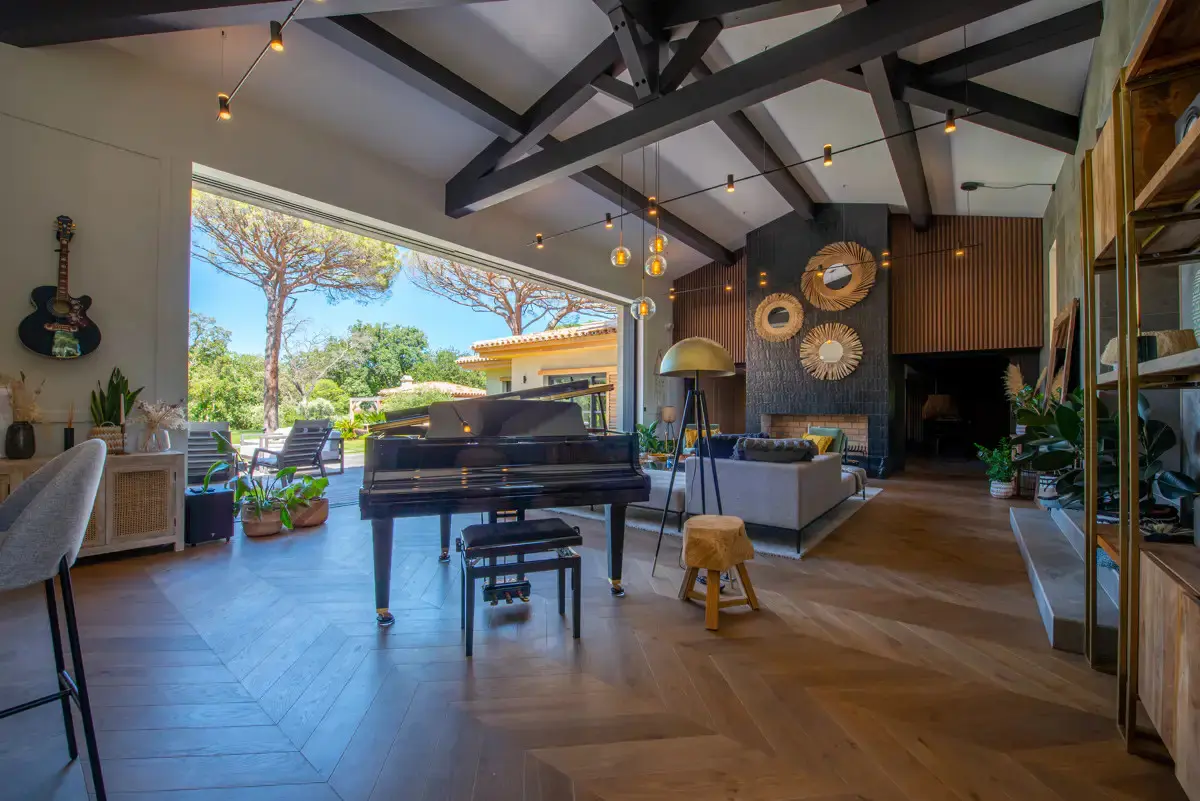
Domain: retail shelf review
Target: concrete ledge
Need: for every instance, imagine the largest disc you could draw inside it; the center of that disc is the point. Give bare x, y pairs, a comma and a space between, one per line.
1056, 572
1070, 522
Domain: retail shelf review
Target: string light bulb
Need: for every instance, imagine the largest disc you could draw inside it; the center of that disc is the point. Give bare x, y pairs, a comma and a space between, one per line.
223, 111
620, 256
652, 208
276, 37
608, 223
959, 250
729, 287
642, 308
540, 243
656, 265
887, 258
729, 187
658, 243
951, 123
762, 282
466, 427
828, 161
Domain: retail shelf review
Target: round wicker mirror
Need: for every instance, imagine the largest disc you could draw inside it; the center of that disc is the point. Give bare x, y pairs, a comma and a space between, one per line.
779, 317
839, 276
831, 351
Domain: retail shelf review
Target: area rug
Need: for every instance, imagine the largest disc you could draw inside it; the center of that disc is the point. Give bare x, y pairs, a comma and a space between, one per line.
764, 542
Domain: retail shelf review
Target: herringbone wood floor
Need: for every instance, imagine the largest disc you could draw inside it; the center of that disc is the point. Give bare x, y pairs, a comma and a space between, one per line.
902, 662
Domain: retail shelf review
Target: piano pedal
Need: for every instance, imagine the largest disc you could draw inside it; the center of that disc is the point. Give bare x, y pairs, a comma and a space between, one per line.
507, 592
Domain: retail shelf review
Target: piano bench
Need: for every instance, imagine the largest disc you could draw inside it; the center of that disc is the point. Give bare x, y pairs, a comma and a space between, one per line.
482, 544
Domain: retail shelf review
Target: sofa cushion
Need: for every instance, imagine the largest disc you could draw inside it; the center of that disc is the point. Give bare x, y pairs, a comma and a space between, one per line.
839, 437
724, 444
823, 442
776, 450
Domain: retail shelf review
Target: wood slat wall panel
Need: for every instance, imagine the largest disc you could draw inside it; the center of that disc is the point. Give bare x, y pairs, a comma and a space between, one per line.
990, 299
714, 313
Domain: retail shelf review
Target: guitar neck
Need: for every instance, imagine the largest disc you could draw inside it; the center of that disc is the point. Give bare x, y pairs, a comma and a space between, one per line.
62, 271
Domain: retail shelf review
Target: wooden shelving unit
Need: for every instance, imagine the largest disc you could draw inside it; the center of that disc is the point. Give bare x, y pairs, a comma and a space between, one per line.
1141, 209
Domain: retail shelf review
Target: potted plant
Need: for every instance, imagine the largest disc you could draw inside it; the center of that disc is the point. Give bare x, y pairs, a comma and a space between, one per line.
208, 511
109, 408
259, 501
1000, 469
159, 418
306, 501
19, 441
649, 444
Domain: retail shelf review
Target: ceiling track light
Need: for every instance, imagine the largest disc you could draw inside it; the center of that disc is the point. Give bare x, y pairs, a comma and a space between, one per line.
951, 123
729, 187
886, 260
828, 160
959, 250
277, 36
608, 223
540, 244
274, 43
223, 112
652, 206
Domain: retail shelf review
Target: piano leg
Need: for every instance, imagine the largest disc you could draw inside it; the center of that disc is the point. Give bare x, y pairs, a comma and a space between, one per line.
445, 523
614, 522
381, 536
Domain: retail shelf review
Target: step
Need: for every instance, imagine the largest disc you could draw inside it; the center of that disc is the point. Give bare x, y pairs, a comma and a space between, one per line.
1070, 523
1056, 572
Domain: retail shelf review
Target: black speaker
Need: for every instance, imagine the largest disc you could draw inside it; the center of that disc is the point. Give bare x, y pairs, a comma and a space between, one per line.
1187, 119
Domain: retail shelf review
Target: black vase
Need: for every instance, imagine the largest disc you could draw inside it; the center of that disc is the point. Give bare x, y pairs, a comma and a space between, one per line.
19, 442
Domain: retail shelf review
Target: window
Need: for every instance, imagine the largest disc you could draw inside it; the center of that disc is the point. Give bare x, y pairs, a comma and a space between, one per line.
592, 405
506, 385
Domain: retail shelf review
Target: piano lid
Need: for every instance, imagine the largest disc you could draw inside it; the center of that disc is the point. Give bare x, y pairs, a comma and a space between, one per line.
406, 421
483, 417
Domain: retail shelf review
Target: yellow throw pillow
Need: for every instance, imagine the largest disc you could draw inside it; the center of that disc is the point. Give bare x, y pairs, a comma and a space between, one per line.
691, 434
820, 440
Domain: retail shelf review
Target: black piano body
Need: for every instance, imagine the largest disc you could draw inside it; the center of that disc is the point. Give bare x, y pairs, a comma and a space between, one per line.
477, 458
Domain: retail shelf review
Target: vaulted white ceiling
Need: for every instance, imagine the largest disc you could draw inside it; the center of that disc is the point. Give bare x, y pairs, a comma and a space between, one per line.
517, 49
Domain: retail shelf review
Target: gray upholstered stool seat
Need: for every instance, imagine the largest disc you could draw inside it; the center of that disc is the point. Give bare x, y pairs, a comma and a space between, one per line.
42, 525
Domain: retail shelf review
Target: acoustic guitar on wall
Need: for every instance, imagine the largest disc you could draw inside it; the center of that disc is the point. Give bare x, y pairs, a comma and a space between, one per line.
59, 326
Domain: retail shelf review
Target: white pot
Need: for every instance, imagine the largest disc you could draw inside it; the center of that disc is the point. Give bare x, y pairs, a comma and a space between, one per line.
1003, 489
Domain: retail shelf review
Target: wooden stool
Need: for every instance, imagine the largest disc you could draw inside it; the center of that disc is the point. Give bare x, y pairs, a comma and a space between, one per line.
716, 543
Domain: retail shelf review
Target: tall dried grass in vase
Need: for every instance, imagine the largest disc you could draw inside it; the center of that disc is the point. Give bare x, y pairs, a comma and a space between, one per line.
159, 417
19, 441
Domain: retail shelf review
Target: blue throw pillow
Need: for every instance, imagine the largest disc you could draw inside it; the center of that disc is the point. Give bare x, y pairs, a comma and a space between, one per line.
723, 444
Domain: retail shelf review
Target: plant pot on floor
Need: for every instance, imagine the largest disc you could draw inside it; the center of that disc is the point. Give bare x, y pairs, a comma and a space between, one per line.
207, 516
1003, 489
316, 513
270, 522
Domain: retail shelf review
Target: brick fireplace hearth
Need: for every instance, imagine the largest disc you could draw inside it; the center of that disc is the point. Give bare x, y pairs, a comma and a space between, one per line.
791, 426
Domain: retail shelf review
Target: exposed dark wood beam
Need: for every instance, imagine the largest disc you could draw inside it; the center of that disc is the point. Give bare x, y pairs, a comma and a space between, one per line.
645, 12
688, 54
34, 23
852, 39
617, 90
896, 120
996, 110
1065, 30
733, 13
641, 59
378, 46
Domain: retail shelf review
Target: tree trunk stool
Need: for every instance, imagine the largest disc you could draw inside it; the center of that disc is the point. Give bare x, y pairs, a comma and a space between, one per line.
715, 543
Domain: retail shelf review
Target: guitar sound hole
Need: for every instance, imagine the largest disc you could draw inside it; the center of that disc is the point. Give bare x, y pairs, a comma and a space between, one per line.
60, 308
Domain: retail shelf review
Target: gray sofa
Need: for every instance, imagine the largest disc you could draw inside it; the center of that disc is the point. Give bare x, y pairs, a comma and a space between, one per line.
780, 498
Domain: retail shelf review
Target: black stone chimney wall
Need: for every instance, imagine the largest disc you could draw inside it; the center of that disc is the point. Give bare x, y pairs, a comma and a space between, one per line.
776, 383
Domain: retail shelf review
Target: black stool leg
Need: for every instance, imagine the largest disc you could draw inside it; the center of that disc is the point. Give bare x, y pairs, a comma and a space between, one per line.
576, 601
462, 606
562, 591
85, 705
469, 608
60, 666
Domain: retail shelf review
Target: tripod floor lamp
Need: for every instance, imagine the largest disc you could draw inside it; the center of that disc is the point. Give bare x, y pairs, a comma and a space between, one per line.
694, 357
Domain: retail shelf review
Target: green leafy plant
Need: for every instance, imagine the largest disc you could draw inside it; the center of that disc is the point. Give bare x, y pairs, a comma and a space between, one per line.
106, 403
259, 494
303, 491
999, 461
1053, 443
648, 441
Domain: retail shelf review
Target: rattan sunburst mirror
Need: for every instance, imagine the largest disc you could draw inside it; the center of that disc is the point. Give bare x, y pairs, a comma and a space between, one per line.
831, 351
779, 317
839, 276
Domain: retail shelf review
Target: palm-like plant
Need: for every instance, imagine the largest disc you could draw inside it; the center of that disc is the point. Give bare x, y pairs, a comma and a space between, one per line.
259, 494
106, 404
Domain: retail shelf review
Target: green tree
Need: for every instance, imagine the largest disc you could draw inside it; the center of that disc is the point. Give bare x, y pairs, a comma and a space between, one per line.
284, 257
443, 366
327, 389
222, 385
416, 397
387, 353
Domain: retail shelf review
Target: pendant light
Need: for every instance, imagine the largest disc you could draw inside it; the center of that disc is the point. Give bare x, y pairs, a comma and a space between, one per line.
642, 307
656, 266
828, 160
620, 255
276, 37
729, 187
658, 243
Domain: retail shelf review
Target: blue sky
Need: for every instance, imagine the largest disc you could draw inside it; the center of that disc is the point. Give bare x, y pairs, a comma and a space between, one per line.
242, 309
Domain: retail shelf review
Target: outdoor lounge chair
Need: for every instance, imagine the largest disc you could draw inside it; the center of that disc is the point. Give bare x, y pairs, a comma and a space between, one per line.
334, 451
202, 452
301, 448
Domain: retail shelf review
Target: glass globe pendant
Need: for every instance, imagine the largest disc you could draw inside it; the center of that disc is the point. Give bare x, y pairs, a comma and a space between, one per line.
656, 266
621, 256
658, 243
642, 308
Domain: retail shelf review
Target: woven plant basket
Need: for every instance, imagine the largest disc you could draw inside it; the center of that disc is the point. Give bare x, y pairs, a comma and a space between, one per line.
1003, 489
113, 436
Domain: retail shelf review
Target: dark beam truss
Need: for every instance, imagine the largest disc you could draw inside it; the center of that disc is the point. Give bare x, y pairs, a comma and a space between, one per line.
850, 40
732, 13
896, 120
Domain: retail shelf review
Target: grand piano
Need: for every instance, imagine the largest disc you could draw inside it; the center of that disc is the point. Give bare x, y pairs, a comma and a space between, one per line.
500, 454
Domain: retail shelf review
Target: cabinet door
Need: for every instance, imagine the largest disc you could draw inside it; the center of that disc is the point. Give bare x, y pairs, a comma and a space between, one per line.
1187, 701
139, 500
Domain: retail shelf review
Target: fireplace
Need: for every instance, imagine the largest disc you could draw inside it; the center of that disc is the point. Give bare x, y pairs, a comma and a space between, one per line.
792, 426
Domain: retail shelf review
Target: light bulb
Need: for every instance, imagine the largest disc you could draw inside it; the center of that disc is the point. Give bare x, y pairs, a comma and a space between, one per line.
608, 221
620, 256
540, 243
652, 211
951, 124
656, 265
729, 187
658, 243
642, 308
828, 155
223, 107
960, 251
887, 258
729, 287
276, 37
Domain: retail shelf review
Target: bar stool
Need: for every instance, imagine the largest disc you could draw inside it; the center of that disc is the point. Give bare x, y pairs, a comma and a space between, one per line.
42, 525
716, 543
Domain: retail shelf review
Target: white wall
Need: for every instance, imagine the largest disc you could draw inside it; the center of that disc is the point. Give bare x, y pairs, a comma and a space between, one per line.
525, 368
97, 134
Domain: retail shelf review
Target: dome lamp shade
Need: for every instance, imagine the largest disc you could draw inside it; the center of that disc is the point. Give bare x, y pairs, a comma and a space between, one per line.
697, 356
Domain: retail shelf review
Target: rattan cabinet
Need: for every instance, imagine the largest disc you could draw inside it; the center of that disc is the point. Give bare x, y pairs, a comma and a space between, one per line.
139, 503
